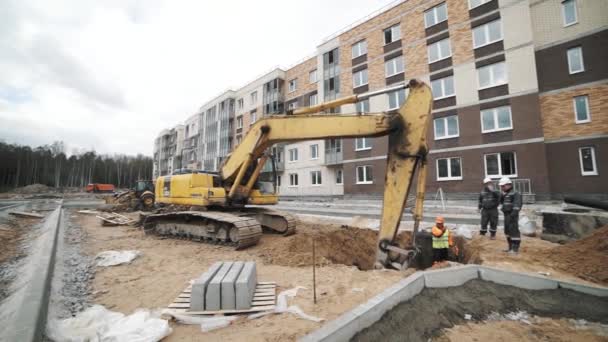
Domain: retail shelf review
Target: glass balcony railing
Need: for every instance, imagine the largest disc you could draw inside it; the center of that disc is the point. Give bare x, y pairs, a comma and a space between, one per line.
333, 157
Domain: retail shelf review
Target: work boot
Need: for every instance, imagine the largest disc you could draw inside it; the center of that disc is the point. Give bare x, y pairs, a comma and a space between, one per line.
515, 249
510, 246
492, 236
482, 233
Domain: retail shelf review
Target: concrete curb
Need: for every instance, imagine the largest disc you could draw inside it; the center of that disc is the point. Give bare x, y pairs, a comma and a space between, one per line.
350, 323
30, 318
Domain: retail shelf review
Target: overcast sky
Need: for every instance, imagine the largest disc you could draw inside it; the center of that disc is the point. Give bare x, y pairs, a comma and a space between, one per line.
109, 75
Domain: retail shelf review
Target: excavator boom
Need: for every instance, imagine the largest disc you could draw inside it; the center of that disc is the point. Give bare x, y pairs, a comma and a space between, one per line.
407, 152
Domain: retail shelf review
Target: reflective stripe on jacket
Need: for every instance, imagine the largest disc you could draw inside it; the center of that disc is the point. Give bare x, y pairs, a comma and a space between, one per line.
442, 239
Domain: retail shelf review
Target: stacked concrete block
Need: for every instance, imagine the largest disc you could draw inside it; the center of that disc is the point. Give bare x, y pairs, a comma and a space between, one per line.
245, 286
224, 286
229, 288
197, 296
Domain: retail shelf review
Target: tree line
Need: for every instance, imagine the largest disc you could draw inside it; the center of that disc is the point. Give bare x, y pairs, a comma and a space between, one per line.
49, 165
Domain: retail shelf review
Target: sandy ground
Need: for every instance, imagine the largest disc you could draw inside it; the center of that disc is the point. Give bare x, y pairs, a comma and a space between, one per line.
532, 257
166, 266
543, 329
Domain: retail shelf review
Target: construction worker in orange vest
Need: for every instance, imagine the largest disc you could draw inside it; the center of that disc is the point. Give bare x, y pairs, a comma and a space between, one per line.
442, 241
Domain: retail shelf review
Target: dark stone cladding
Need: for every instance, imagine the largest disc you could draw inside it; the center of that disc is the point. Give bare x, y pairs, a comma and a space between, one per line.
489, 49
392, 55
442, 64
392, 46
358, 60
565, 170
485, 19
531, 164
497, 91
437, 38
552, 62
395, 79
361, 89
442, 26
483, 9
524, 113
359, 68
447, 102
442, 74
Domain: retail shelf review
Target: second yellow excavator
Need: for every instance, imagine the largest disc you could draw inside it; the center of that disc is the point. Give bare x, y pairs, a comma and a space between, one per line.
220, 200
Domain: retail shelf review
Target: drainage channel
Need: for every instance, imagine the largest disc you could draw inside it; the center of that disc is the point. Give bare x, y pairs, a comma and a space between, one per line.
419, 306
23, 312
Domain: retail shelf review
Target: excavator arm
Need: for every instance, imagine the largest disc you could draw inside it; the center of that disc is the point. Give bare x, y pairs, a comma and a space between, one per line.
406, 157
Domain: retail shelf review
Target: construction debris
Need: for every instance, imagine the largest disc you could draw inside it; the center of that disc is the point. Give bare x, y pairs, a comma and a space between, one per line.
25, 214
113, 258
115, 219
89, 212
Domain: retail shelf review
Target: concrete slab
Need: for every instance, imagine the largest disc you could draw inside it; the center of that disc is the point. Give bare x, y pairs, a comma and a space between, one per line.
521, 280
199, 287
245, 286
213, 295
599, 291
229, 286
451, 276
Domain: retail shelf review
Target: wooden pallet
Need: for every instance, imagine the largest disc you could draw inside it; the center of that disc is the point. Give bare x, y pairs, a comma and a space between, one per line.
264, 299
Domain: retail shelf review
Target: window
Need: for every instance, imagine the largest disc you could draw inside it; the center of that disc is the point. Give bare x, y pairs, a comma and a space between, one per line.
253, 118
359, 49
364, 174
339, 176
443, 87
314, 151
393, 66
312, 99
362, 106
449, 169
435, 15
239, 138
278, 180
360, 78
475, 3
240, 103
496, 119
315, 178
569, 12
575, 60
501, 164
293, 154
446, 127
239, 122
293, 84
312, 76
439, 50
581, 109
254, 97
487, 34
587, 159
293, 179
292, 105
363, 144
392, 34
396, 99
492, 75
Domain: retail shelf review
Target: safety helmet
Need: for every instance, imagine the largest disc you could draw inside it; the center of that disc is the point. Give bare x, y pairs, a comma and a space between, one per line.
439, 219
487, 180
504, 181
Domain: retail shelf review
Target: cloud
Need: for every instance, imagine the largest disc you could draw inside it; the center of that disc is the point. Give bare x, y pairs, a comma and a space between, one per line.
110, 75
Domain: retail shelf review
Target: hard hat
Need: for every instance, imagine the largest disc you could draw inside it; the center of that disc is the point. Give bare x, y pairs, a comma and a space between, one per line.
487, 180
439, 219
504, 181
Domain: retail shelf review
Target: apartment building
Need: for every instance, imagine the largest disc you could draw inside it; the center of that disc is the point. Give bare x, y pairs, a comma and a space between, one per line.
168, 147
519, 90
571, 48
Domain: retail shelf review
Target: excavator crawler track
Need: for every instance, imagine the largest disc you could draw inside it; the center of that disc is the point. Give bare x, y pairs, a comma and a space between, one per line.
273, 220
207, 226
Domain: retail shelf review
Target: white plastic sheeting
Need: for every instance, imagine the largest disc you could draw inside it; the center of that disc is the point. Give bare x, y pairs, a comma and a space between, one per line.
282, 306
526, 226
98, 324
113, 258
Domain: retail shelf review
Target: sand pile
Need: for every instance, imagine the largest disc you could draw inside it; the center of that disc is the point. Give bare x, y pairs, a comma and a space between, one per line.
348, 246
586, 258
33, 189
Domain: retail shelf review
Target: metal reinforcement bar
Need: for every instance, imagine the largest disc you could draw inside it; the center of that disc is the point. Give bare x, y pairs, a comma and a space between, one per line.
349, 324
30, 318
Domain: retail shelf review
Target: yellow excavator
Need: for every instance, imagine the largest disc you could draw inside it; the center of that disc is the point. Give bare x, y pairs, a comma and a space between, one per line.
218, 201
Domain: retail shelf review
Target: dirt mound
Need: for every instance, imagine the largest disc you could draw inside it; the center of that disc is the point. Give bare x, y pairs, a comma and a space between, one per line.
33, 189
338, 245
586, 258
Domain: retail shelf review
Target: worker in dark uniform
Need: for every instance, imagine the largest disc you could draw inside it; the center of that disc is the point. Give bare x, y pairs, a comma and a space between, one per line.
511, 205
488, 205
